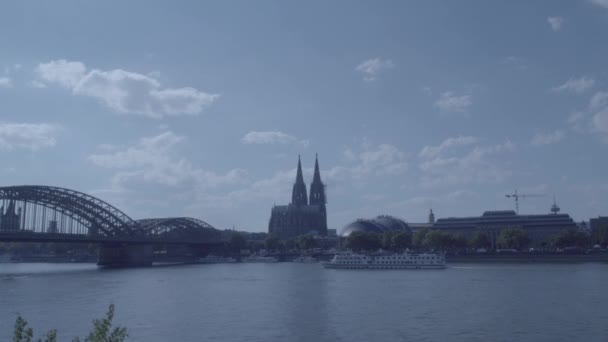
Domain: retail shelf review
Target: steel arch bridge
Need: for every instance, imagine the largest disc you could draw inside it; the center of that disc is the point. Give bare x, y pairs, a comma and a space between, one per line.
46, 213
179, 228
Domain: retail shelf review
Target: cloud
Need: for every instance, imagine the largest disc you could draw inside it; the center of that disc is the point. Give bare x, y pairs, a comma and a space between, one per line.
124, 91
152, 160
372, 67
598, 100
598, 106
27, 136
5, 82
601, 3
516, 62
556, 23
476, 166
578, 86
450, 102
271, 137
541, 139
432, 151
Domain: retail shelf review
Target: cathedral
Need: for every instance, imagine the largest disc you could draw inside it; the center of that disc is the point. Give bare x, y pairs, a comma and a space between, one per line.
301, 216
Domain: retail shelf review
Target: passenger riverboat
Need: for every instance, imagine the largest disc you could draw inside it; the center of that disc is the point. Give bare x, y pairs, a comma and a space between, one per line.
405, 260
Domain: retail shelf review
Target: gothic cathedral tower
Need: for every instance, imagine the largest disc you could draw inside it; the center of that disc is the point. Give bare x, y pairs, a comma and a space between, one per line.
317, 189
298, 195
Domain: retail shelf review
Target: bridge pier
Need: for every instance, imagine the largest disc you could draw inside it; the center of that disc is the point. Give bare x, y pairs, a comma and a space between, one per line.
125, 255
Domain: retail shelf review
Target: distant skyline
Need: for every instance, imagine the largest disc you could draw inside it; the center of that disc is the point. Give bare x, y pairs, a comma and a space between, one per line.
201, 108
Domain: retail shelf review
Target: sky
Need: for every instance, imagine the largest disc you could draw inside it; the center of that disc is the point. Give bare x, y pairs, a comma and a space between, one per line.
201, 108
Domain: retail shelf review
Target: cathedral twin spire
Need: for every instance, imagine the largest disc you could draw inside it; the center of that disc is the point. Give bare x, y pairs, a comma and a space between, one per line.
317, 189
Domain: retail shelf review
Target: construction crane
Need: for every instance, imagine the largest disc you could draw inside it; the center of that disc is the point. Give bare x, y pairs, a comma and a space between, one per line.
517, 196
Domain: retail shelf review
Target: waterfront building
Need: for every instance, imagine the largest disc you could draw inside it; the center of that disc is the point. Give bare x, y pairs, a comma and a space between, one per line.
379, 224
305, 214
540, 228
598, 222
11, 218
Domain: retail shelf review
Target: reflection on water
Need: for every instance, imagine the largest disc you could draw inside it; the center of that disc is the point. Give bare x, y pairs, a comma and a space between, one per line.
304, 302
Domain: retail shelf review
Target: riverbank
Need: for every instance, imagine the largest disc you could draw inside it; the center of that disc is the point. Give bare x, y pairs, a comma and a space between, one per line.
528, 258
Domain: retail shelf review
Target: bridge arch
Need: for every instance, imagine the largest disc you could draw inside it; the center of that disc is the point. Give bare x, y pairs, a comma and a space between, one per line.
179, 228
96, 217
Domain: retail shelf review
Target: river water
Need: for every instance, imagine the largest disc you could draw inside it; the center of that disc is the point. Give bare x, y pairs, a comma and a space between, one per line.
304, 302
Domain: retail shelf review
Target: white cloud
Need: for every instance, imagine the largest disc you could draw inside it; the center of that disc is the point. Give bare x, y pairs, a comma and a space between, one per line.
541, 139
5, 82
152, 160
556, 23
598, 106
62, 72
432, 151
271, 137
578, 85
600, 120
599, 100
450, 102
516, 62
602, 3
125, 91
27, 136
372, 67
476, 166
383, 159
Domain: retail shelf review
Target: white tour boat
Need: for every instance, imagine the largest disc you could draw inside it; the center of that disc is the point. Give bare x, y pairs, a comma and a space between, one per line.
406, 260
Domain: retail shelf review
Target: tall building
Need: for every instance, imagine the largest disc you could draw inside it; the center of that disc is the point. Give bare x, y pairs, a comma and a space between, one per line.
301, 216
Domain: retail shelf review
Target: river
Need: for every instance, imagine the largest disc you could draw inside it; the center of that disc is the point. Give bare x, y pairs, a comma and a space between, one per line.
304, 302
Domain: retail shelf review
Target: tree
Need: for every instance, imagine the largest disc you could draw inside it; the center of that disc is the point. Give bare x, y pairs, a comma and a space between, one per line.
236, 242
513, 238
401, 240
480, 240
363, 241
102, 331
305, 242
571, 238
419, 236
272, 243
599, 235
387, 239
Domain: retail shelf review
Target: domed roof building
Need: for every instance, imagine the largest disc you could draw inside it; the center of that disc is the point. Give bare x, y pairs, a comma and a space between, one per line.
379, 224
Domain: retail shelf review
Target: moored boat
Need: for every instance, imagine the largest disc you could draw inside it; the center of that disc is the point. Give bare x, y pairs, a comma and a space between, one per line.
305, 259
213, 259
260, 258
405, 260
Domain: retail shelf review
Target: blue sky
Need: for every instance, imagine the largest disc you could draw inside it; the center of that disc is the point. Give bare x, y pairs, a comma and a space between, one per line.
201, 108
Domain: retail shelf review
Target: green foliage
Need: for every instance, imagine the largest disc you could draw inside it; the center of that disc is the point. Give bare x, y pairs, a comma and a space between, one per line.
363, 241
396, 240
513, 238
236, 242
480, 240
102, 331
272, 243
305, 242
419, 237
571, 238
22, 332
599, 235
